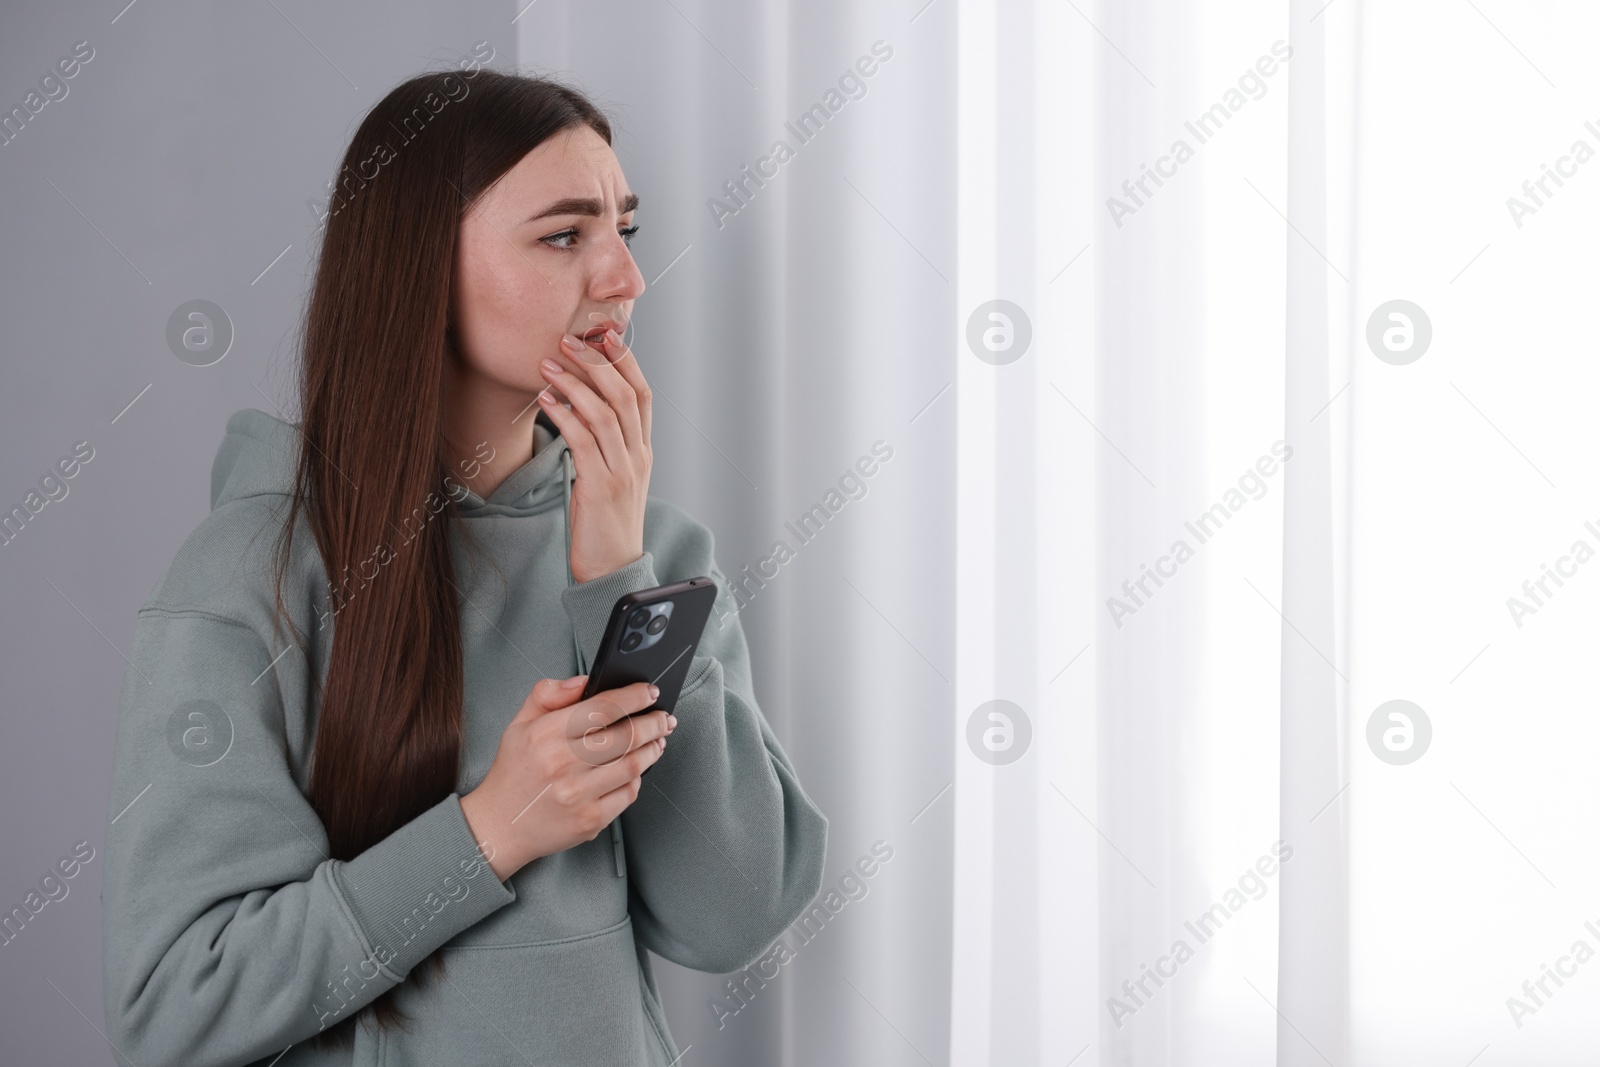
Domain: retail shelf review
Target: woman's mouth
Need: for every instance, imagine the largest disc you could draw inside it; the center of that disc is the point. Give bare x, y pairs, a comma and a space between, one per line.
589, 328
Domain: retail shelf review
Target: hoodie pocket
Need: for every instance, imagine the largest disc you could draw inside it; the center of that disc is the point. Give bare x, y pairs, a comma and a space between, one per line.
565, 1003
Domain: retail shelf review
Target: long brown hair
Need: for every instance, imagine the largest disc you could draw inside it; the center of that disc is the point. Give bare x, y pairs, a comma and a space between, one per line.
373, 463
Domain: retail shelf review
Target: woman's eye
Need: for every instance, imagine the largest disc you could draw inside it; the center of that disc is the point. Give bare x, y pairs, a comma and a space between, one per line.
564, 238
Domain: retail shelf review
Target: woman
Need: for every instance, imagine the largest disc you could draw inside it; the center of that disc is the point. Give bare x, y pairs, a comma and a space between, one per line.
360, 819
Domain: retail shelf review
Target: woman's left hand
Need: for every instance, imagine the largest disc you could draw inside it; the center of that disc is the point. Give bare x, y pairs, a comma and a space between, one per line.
608, 430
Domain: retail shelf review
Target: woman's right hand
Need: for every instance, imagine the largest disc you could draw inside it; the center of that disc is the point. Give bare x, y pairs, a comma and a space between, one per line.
564, 770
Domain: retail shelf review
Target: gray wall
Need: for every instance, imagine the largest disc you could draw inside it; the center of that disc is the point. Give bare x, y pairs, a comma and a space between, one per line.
182, 158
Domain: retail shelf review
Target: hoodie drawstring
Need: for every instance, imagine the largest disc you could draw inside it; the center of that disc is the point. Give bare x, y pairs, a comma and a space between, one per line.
566, 532
566, 528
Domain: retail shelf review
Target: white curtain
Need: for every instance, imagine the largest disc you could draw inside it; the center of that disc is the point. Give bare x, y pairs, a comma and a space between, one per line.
1180, 500
793, 344
1236, 703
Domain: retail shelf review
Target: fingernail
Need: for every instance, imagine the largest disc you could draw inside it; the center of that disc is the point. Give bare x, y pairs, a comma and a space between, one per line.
573, 682
571, 343
654, 692
550, 366
547, 398
672, 723
611, 335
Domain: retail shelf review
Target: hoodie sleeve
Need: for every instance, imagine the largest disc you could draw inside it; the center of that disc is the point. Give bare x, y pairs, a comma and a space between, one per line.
228, 932
724, 847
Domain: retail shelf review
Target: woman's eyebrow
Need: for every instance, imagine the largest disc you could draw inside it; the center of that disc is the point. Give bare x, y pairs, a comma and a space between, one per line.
584, 205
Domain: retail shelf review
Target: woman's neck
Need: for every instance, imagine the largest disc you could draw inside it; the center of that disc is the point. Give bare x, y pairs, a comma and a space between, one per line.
485, 419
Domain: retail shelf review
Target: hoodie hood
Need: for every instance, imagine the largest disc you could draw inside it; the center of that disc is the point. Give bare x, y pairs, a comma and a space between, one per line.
259, 452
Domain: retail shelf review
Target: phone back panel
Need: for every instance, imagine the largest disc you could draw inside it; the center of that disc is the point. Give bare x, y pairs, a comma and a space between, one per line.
665, 661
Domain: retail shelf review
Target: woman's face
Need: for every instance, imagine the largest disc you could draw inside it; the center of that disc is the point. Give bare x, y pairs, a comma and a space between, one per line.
544, 245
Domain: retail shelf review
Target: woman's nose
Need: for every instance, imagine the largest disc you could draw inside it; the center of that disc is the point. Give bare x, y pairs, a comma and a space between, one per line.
619, 277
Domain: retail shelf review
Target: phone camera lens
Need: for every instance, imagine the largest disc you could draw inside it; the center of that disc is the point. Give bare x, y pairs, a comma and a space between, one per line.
631, 642
639, 618
657, 624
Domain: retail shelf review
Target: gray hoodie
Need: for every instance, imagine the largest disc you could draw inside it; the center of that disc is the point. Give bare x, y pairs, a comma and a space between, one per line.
229, 934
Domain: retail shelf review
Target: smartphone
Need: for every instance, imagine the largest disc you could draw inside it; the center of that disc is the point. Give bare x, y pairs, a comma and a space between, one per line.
651, 637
